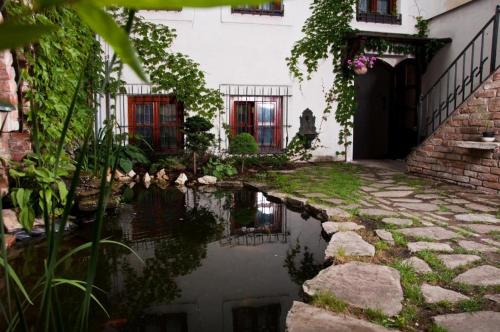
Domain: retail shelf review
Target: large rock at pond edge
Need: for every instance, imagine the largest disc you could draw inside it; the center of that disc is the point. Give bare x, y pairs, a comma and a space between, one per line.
348, 244
10, 221
483, 321
307, 318
207, 180
361, 285
181, 180
485, 275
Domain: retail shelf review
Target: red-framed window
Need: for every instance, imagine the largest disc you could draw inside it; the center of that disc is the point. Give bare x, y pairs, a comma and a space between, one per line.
158, 120
261, 117
274, 8
378, 11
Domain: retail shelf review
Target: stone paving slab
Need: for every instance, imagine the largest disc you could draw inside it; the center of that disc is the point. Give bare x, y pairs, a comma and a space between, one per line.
307, 318
333, 227
398, 221
428, 207
433, 246
392, 194
377, 213
348, 244
484, 275
472, 217
435, 294
482, 229
361, 285
493, 297
433, 233
480, 207
476, 246
481, 321
419, 265
385, 235
456, 260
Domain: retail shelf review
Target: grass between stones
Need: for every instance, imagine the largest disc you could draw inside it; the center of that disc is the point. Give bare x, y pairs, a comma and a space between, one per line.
338, 180
327, 300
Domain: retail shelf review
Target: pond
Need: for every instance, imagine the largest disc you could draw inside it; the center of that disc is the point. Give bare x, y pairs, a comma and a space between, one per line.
214, 260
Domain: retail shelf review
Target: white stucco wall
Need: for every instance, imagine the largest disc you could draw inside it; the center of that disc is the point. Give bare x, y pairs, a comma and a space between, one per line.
251, 49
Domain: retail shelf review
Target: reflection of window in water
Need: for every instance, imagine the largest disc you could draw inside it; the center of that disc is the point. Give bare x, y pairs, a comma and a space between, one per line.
257, 319
253, 213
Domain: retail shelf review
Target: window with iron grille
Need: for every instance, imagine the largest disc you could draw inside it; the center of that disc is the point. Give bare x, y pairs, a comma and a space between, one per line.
274, 8
378, 11
260, 110
260, 117
156, 120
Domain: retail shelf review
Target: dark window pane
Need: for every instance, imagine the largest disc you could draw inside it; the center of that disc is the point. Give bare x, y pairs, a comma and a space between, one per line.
168, 113
168, 137
144, 114
383, 7
145, 133
265, 136
363, 6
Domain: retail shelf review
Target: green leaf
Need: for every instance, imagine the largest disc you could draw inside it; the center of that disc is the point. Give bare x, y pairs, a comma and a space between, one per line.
80, 285
17, 281
16, 174
103, 24
125, 165
14, 35
157, 4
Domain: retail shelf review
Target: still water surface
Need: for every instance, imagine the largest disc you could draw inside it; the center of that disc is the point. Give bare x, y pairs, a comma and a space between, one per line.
213, 261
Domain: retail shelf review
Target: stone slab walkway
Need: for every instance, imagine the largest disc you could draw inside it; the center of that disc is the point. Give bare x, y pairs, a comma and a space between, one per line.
437, 241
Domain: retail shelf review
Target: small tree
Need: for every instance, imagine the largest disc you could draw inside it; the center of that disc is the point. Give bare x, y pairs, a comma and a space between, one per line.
198, 139
243, 144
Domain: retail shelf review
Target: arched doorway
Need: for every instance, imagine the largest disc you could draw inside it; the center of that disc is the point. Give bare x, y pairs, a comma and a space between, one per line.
386, 117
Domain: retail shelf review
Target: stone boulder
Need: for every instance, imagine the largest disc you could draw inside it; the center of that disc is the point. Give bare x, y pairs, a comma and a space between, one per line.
348, 244
333, 227
207, 180
162, 175
362, 285
146, 180
485, 275
10, 221
419, 265
307, 318
435, 294
181, 180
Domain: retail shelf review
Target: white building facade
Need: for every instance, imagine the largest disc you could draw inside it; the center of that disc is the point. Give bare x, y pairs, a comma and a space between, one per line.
242, 52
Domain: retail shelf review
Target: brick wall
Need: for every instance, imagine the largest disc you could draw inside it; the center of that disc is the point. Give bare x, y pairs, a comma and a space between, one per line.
438, 157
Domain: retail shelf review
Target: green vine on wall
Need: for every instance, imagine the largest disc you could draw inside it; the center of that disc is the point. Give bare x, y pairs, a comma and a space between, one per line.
325, 37
53, 66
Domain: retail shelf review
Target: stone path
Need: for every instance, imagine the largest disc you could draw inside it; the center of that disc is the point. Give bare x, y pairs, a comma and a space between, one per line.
448, 235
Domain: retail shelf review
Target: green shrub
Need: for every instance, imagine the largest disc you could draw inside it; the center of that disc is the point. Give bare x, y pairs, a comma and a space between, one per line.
219, 168
198, 139
243, 144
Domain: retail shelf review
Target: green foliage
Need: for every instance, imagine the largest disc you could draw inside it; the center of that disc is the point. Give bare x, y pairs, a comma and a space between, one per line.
273, 161
170, 163
219, 168
126, 155
297, 151
38, 190
52, 77
198, 139
243, 144
173, 72
325, 34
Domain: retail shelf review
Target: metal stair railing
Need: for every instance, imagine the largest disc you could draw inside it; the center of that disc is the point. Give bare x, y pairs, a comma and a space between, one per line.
473, 66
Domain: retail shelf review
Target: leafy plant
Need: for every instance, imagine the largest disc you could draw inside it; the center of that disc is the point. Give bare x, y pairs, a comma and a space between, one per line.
242, 145
198, 139
168, 163
219, 168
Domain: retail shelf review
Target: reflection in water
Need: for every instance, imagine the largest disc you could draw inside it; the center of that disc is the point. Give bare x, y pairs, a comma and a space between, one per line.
213, 261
